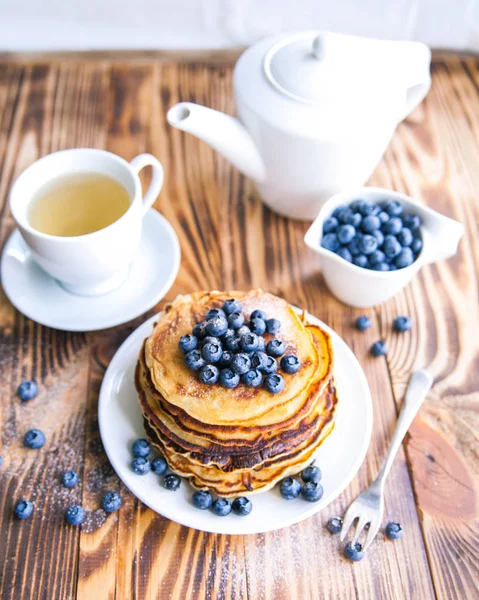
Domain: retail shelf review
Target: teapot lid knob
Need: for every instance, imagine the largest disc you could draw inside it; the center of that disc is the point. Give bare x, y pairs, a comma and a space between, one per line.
318, 48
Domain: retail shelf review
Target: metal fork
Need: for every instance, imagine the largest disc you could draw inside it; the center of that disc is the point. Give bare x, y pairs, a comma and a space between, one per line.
368, 507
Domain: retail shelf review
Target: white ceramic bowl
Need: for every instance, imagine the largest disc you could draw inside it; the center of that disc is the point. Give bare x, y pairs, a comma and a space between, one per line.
363, 287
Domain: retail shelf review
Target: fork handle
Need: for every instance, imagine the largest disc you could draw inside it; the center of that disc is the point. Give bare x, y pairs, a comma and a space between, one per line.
419, 385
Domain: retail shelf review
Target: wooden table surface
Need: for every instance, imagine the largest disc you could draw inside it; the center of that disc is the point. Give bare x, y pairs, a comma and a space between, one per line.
230, 240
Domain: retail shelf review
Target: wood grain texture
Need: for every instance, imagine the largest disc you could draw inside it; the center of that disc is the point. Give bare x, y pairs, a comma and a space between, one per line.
229, 239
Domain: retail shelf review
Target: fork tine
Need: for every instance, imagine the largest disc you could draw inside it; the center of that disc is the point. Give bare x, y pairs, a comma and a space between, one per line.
348, 519
362, 522
373, 529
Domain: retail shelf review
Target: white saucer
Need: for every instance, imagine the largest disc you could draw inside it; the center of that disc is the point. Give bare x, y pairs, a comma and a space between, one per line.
41, 298
339, 457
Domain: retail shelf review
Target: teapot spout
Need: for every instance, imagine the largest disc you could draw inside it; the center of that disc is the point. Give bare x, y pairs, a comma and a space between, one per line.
222, 132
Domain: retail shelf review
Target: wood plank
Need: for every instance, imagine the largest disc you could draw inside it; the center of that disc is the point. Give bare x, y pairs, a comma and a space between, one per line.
230, 240
58, 362
443, 447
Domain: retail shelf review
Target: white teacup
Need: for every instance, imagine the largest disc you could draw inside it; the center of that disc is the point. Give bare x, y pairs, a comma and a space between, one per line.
98, 262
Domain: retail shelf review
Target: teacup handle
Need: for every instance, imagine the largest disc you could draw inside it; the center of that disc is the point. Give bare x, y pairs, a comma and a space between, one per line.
148, 160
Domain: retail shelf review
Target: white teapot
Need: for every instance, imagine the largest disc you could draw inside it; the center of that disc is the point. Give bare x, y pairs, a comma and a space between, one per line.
316, 113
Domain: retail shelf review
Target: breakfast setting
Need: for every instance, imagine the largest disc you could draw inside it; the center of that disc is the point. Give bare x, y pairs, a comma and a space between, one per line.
239, 334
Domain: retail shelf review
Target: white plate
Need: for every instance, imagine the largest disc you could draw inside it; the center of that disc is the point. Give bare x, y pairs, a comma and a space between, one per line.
339, 457
41, 298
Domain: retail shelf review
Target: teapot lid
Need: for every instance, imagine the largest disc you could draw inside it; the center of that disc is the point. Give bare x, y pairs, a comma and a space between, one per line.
305, 66
319, 84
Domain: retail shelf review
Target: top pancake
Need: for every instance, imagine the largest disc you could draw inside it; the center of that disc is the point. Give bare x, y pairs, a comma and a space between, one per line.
214, 404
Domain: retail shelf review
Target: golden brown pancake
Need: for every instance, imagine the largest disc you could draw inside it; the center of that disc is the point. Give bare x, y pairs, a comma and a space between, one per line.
243, 440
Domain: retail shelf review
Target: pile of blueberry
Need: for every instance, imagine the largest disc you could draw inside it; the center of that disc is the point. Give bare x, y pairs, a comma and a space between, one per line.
354, 551
203, 500
311, 490
224, 349
382, 237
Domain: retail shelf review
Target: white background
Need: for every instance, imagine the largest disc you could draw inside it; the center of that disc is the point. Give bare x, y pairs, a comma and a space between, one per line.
162, 24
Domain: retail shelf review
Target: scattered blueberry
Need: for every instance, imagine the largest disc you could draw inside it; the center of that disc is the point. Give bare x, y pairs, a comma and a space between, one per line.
194, 360
214, 313
290, 364
221, 507
330, 225
249, 342
171, 482
334, 525
199, 330
360, 261
229, 379
258, 314
275, 347
241, 363
353, 551
236, 320
140, 465
274, 383
209, 374
311, 473
159, 465
289, 488
257, 326
379, 348
243, 330
393, 208
111, 502
242, 506
344, 253
202, 500
23, 509
75, 515
69, 479
141, 448
212, 352
187, 343
404, 259
270, 365
258, 360
253, 378
217, 326
27, 390
394, 531
367, 244
363, 322
233, 344
231, 306
346, 234
330, 242
312, 491
402, 324
34, 438
273, 326
226, 359
393, 226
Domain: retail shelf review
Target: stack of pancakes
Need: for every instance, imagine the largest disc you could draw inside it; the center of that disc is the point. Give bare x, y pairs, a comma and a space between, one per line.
243, 440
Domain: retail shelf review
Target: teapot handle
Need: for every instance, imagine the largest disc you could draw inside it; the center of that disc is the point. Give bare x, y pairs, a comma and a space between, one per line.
415, 61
